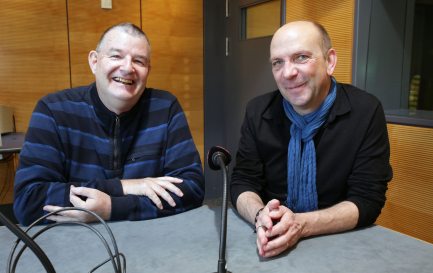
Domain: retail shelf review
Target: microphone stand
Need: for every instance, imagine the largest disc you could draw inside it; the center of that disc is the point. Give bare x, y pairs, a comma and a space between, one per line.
223, 230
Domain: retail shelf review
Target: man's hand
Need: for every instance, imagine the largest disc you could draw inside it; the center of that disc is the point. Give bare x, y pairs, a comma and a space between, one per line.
154, 188
277, 229
95, 200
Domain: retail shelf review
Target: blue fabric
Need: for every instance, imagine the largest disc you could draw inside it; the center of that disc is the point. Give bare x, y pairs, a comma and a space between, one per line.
301, 163
73, 139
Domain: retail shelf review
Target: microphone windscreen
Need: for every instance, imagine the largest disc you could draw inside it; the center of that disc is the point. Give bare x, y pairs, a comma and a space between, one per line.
214, 153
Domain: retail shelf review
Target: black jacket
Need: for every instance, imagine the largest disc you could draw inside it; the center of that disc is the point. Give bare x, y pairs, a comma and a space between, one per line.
352, 152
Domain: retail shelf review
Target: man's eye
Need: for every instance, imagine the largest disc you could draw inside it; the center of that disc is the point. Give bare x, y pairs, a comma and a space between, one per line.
301, 59
115, 57
277, 63
140, 62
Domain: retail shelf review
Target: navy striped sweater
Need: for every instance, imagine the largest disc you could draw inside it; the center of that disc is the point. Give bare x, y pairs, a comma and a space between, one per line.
73, 139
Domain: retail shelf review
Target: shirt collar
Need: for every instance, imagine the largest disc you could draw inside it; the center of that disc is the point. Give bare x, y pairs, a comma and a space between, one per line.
106, 116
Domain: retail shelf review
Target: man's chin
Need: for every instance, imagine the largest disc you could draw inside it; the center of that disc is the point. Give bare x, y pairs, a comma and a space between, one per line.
126, 91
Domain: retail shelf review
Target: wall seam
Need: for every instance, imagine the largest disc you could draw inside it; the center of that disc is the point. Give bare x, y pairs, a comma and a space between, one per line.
141, 15
69, 44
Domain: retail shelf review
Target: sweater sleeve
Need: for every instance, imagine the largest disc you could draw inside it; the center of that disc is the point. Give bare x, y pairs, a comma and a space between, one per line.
42, 177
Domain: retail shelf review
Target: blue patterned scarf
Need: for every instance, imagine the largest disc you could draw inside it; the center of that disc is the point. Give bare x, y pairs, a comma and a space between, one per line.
301, 164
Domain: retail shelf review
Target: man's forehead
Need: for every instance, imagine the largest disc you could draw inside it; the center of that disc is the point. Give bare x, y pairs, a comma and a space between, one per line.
297, 32
141, 52
292, 40
115, 35
298, 26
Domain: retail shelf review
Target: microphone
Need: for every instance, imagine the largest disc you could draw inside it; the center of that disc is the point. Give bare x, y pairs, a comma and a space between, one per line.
29, 242
215, 154
218, 158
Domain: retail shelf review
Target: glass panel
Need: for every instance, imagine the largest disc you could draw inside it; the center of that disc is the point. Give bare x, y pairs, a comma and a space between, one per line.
421, 80
262, 19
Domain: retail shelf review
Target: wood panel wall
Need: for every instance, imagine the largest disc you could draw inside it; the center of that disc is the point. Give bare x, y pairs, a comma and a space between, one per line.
338, 19
34, 61
409, 205
44, 47
33, 54
175, 30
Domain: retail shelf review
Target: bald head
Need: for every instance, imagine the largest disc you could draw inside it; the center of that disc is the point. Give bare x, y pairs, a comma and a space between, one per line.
297, 29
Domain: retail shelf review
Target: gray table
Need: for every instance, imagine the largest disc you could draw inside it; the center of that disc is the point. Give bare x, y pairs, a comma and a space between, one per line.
12, 143
189, 243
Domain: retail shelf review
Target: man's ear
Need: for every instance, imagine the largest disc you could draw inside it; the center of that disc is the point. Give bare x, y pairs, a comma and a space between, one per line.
93, 59
331, 61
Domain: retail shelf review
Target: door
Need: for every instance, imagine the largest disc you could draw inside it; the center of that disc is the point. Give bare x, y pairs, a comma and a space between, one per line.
236, 70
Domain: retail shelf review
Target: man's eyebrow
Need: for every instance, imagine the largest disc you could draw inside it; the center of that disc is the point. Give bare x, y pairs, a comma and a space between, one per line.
117, 50
113, 49
141, 56
303, 52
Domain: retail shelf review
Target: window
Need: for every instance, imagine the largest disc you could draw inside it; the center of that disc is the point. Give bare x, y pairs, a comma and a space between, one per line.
393, 57
260, 20
421, 79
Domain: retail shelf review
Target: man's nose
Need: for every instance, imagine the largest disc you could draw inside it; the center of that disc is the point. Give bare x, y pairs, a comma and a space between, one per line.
289, 70
127, 64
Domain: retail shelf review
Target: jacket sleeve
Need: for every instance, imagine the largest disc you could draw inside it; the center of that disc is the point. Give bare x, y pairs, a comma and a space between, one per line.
248, 173
371, 171
180, 159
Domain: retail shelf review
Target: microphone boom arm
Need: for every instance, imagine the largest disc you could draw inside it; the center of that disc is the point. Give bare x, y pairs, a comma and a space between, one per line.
223, 235
219, 158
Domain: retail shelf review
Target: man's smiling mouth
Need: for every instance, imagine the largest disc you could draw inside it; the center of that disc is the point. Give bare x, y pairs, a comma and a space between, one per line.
122, 80
296, 85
